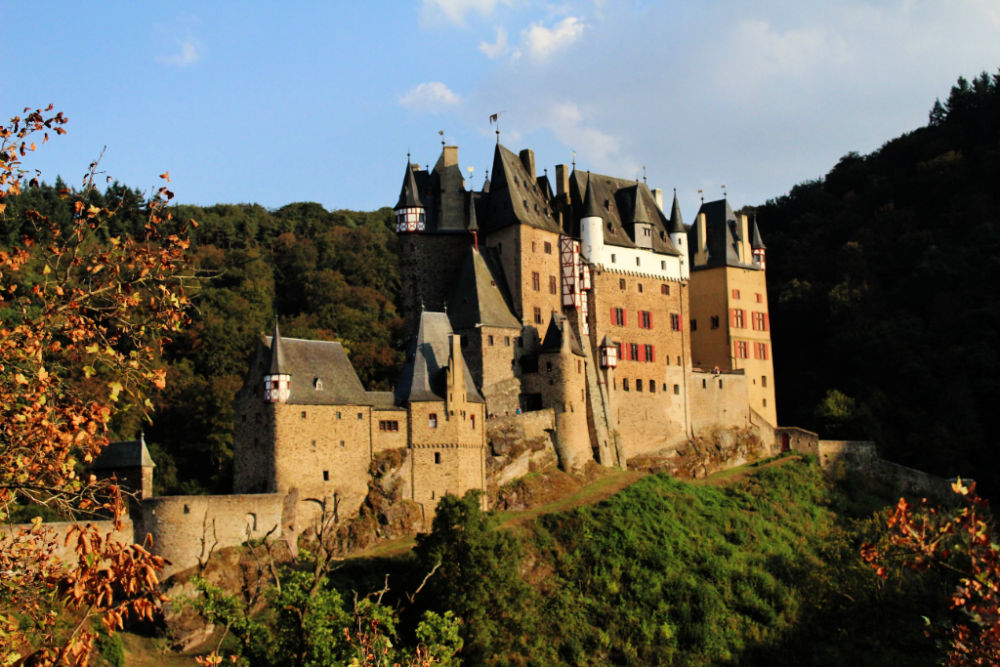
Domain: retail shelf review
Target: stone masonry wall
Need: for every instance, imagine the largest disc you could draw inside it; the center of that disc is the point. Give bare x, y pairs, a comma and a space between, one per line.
717, 400
389, 428
185, 528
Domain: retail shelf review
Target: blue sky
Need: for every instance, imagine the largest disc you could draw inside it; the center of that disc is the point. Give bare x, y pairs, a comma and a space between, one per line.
321, 101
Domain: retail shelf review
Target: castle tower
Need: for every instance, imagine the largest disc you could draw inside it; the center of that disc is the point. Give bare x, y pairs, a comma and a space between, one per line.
410, 213
730, 325
757, 246
591, 227
277, 381
678, 235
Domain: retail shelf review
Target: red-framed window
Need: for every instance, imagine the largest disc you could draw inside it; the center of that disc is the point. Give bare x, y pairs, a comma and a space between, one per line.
618, 317
675, 322
737, 318
649, 353
665, 289
645, 319
742, 349
760, 351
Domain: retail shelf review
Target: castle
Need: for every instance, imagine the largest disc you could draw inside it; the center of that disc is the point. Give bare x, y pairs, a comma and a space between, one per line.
634, 331
587, 316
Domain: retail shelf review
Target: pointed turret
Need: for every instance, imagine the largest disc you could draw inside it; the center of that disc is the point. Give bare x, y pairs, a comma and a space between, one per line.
678, 234
591, 227
470, 219
639, 212
757, 245
676, 221
277, 381
410, 213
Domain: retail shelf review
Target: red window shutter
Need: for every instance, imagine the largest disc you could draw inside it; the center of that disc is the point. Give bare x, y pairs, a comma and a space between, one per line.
650, 322
652, 353
642, 354
613, 320
624, 318
732, 317
767, 322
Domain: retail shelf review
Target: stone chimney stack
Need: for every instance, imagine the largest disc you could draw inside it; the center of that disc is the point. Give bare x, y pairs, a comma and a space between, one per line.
528, 160
658, 197
449, 156
562, 180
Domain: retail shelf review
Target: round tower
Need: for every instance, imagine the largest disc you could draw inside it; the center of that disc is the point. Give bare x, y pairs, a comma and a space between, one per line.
678, 235
591, 227
277, 380
758, 249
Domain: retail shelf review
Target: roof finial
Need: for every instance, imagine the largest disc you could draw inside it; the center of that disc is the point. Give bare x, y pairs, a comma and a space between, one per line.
702, 195
441, 132
723, 190
574, 160
407, 156
495, 118
643, 173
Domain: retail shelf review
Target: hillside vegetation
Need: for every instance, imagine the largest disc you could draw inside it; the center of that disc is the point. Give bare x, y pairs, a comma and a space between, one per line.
882, 287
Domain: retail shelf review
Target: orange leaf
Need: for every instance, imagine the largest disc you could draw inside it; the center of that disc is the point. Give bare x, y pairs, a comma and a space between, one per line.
165, 176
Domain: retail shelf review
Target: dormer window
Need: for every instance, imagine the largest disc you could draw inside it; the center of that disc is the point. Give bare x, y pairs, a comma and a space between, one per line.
317, 384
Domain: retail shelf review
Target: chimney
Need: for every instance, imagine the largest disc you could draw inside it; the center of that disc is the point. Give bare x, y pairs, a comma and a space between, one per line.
658, 197
449, 156
455, 392
562, 180
528, 160
745, 252
701, 252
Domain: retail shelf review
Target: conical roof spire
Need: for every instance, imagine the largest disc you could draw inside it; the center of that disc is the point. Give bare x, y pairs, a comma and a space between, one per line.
277, 355
470, 219
756, 242
590, 209
676, 222
409, 197
639, 212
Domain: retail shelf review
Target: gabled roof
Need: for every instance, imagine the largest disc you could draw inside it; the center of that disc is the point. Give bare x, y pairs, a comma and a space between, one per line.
516, 197
409, 194
424, 374
321, 373
617, 202
723, 231
559, 329
476, 298
124, 454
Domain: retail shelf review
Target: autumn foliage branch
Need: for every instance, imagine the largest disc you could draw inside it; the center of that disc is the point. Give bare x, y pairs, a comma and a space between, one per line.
83, 320
962, 542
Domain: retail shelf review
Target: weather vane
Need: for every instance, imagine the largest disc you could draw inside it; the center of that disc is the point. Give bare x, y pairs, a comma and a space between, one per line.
495, 118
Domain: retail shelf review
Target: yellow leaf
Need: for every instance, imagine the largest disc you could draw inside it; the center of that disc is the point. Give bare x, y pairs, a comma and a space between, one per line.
116, 388
46, 270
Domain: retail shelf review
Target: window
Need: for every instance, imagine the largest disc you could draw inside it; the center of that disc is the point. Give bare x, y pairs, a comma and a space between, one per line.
645, 319
472, 419
663, 266
317, 384
490, 339
758, 297
388, 425
637, 261
437, 457
640, 288
759, 321
638, 384
342, 444
763, 380
618, 351
533, 247
649, 352
548, 248
553, 289
326, 475
506, 341
675, 322
736, 294
613, 259
633, 351
361, 416
715, 321
694, 325
536, 281
741, 349
704, 384
538, 315
313, 444
621, 283
677, 389
432, 420
624, 384
618, 317
737, 318
303, 414
760, 351
652, 387
665, 288
338, 415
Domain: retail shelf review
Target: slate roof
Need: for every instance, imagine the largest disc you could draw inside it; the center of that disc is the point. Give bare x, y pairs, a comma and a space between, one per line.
382, 399
321, 373
124, 454
723, 230
516, 196
756, 242
477, 299
423, 377
553, 341
409, 194
277, 354
676, 224
618, 201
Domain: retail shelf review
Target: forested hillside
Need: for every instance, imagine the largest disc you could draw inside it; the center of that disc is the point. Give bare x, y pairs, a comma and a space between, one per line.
882, 282
328, 275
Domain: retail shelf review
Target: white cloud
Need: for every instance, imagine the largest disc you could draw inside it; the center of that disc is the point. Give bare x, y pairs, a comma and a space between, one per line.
566, 121
430, 96
454, 11
497, 48
188, 53
540, 42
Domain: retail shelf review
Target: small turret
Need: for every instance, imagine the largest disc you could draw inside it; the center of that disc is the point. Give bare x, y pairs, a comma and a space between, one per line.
642, 223
678, 234
757, 246
591, 227
410, 213
277, 381
609, 353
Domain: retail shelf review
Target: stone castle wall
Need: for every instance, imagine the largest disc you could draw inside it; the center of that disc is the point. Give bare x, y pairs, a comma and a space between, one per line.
717, 400
186, 528
428, 267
